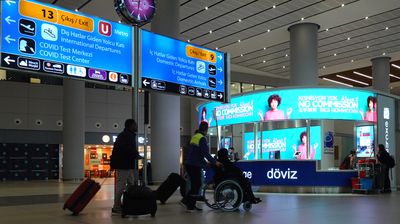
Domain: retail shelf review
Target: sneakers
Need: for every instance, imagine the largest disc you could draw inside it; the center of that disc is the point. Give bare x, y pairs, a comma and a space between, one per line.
115, 211
194, 209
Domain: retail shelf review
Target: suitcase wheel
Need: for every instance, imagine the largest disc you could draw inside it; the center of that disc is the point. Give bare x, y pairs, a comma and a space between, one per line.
153, 214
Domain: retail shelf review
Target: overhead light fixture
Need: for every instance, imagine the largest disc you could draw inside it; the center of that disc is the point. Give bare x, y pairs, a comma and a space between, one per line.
394, 76
241, 55
302, 18
210, 31
386, 28
367, 46
76, 10
283, 66
239, 41
188, 41
323, 67
353, 80
119, 21
334, 54
216, 48
342, 5
396, 66
239, 20
264, 61
361, 74
286, 55
268, 30
274, 6
334, 81
366, 17
352, 60
206, 8
383, 53
348, 38
265, 48
327, 29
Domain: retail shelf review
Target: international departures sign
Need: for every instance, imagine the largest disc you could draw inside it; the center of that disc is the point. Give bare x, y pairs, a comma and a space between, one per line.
43, 38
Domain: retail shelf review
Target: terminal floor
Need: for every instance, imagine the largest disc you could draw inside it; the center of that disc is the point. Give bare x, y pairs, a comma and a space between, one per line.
41, 202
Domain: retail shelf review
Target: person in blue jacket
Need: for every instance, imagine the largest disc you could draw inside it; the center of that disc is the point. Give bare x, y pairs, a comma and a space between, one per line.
198, 151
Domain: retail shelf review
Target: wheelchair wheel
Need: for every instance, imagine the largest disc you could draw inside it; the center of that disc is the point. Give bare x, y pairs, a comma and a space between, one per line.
209, 199
228, 195
247, 206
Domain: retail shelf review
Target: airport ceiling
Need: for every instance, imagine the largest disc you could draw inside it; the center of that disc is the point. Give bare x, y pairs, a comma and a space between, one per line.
255, 33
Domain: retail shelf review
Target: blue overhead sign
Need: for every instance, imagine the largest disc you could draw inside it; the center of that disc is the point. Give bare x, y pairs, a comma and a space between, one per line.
175, 66
45, 38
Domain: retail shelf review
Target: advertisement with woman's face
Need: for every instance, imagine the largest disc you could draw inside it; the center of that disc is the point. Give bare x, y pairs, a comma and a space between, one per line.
313, 103
291, 144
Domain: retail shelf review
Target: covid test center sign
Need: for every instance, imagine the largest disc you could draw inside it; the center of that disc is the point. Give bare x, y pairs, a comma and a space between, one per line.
44, 38
306, 103
172, 66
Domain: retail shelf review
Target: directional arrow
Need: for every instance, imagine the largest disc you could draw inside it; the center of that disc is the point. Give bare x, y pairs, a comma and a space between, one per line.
9, 20
220, 95
220, 82
9, 39
9, 2
220, 69
8, 60
145, 82
220, 57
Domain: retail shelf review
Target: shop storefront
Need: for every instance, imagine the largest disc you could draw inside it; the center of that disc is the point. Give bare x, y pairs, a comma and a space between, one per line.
297, 137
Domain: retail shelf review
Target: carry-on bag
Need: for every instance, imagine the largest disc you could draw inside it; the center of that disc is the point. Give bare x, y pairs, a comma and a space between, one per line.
169, 186
82, 196
138, 200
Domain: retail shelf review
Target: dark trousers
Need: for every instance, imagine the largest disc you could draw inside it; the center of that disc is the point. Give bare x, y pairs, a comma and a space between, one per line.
386, 185
194, 174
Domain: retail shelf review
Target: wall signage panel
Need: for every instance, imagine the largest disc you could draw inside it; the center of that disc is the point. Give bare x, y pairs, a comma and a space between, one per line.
49, 39
174, 66
306, 103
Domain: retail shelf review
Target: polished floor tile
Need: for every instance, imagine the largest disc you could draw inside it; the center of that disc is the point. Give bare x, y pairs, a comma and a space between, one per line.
41, 203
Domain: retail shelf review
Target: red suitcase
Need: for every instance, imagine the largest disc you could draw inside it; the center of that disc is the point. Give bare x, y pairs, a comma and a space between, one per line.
82, 196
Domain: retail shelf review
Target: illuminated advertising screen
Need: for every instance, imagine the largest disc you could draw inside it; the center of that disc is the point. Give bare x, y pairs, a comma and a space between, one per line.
285, 144
365, 141
175, 66
312, 103
45, 38
226, 142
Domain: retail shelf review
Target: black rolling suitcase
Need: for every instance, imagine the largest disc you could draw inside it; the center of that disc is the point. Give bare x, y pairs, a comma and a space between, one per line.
169, 186
138, 200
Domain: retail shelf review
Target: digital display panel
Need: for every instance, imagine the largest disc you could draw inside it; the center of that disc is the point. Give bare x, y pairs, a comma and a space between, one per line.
365, 141
44, 38
174, 66
284, 144
307, 103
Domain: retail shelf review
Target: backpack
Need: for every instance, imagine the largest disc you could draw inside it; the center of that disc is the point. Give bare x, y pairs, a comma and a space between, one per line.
391, 163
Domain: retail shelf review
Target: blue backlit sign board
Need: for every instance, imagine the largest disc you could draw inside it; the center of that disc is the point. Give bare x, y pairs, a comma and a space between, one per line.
284, 144
301, 103
44, 38
175, 66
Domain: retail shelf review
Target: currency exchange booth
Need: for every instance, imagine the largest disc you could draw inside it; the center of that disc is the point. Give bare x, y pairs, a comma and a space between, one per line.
294, 139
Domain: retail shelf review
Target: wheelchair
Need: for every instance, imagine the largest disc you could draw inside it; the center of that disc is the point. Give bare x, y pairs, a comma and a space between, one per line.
227, 196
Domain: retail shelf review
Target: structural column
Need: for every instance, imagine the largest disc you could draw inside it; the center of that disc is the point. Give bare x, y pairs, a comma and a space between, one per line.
303, 54
73, 129
165, 109
380, 74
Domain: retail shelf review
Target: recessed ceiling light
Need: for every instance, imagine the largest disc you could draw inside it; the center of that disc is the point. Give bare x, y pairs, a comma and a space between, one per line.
366, 17
323, 67
265, 48
241, 55
239, 20
206, 8
386, 28
210, 31
264, 61
348, 38
268, 30
216, 48
342, 5
302, 18
394, 76
188, 41
361, 74
286, 55
76, 10
334, 54
367, 46
239, 41
283, 66
334, 81
353, 80
396, 66
383, 53
327, 29
352, 60
274, 6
